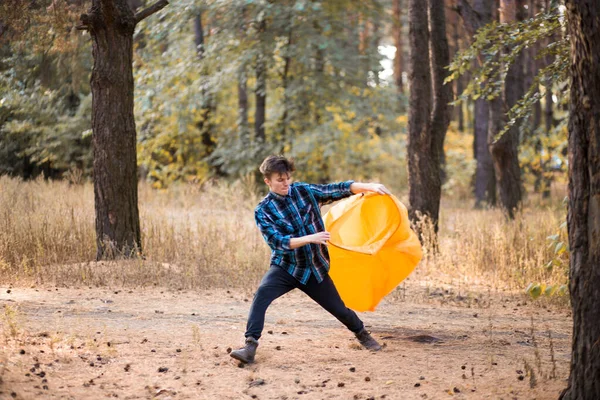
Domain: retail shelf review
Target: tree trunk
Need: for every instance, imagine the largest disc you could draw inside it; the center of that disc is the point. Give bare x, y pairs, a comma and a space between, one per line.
442, 93
285, 83
459, 83
485, 177
505, 150
207, 107
242, 101
427, 122
397, 33
260, 90
111, 25
423, 177
584, 199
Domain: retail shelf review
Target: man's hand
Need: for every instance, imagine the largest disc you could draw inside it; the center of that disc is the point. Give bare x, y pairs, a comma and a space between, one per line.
379, 188
358, 187
320, 237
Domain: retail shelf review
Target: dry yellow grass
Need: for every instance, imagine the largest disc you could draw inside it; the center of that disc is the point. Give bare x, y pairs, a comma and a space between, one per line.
201, 237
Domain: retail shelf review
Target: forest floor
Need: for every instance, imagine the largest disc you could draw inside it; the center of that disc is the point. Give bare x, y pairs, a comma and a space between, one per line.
441, 343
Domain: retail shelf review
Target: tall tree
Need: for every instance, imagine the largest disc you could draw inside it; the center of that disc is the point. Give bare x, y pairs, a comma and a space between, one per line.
261, 85
207, 106
429, 109
584, 198
397, 33
111, 24
474, 17
505, 150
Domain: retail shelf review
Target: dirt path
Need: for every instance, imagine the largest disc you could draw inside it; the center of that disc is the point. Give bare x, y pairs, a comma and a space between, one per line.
101, 343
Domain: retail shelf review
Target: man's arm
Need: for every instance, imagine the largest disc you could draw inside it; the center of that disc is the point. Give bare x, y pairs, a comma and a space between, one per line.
318, 238
278, 241
359, 187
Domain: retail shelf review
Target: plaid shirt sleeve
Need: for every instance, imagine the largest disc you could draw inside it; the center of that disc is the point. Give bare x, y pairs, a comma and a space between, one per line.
331, 192
275, 239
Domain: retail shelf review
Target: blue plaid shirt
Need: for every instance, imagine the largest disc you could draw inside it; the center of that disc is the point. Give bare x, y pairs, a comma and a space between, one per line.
281, 218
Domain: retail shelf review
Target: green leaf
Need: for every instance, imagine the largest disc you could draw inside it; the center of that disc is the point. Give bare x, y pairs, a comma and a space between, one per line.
550, 290
534, 290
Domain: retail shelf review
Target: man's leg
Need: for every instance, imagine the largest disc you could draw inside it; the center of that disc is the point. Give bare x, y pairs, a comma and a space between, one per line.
274, 284
327, 296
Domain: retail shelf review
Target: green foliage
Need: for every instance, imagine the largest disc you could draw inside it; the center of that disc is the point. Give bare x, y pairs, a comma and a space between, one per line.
325, 104
496, 47
45, 106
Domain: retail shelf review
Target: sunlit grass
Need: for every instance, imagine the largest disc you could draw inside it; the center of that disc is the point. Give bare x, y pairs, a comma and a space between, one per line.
204, 236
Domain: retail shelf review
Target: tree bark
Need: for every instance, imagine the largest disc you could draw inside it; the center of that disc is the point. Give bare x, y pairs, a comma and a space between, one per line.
423, 177
459, 83
505, 151
260, 89
485, 177
584, 199
242, 101
285, 83
397, 33
207, 107
111, 25
428, 116
442, 93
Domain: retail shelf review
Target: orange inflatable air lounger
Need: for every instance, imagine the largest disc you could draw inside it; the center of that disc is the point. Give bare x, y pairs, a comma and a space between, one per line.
372, 248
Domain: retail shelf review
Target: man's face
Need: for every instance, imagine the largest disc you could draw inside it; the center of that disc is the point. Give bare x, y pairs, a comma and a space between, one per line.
279, 183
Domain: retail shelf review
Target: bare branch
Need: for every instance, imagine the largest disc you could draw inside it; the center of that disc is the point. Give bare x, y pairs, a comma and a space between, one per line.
146, 12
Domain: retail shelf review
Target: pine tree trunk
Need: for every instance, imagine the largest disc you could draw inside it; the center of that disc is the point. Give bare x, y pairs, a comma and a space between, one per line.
207, 107
260, 91
428, 116
242, 101
442, 93
485, 177
114, 134
423, 177
584, 199
111, 25
397, 33
505, 150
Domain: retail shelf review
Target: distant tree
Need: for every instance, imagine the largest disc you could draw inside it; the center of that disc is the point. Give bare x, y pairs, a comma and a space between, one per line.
475, 16
397, 34
429, 108
207, 106
584, 199
111, 24
505, 150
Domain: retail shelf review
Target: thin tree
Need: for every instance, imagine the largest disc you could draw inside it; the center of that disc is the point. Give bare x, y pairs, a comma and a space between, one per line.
111, 24
429, 109
474, 17
397, 34
261, 85
584, 199
505, 150
207, 107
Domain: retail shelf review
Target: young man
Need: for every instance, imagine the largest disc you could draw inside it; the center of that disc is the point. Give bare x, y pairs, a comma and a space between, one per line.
289, 219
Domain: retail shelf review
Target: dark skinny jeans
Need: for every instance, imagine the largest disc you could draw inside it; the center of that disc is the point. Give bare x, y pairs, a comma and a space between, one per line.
278, 282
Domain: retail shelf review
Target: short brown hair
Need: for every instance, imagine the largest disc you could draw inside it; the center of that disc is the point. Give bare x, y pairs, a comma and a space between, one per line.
274, 164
